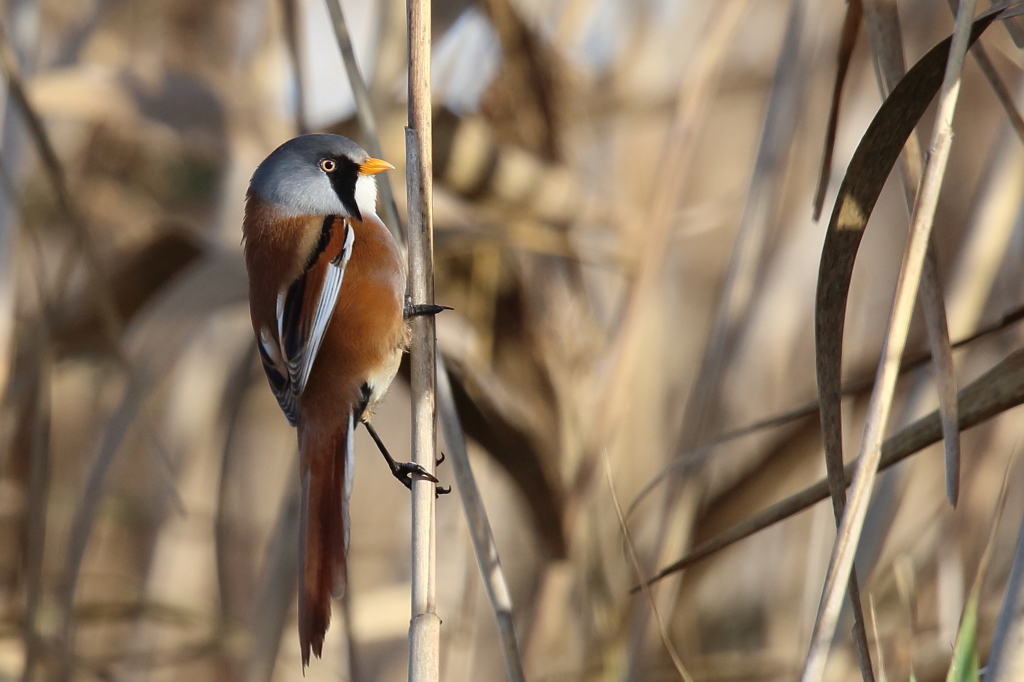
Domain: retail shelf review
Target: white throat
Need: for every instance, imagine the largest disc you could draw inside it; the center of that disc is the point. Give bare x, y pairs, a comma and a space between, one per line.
366, 195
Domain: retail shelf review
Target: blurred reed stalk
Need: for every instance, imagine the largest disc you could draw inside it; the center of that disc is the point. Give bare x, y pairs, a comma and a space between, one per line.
487, 558
425, 626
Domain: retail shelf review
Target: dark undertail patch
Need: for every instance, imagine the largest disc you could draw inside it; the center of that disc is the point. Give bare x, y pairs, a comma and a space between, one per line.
364, 399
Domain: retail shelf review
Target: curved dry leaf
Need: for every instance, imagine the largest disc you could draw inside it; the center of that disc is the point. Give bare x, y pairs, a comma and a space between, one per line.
869, 168
893, 124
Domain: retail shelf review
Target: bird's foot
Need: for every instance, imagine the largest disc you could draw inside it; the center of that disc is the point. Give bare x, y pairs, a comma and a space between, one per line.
405, 471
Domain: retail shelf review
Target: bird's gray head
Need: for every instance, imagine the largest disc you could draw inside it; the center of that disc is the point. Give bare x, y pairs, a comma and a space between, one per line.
319, 174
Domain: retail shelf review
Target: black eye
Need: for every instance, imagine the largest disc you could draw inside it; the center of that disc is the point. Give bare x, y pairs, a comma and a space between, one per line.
328, 165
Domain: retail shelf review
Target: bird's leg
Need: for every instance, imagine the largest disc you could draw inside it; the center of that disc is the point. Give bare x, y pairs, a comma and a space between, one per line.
417, 309
404, 471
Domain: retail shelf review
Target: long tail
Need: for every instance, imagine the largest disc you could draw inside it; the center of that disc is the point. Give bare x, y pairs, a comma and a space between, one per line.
326, 469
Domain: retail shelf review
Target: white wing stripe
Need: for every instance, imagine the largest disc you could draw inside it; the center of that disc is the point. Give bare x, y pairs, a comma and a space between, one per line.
300, 365
322, 317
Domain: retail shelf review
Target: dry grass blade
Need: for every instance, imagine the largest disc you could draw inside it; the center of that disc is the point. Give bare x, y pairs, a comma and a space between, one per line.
945, 372
753, 234
634, 559
489, 413
89, 505
848, 537
479, 527
694, 96
998, 390
1015, 28
851, 27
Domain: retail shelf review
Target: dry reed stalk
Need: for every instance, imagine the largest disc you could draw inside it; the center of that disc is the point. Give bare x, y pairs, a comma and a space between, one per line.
425, 626
479, 530
852, 525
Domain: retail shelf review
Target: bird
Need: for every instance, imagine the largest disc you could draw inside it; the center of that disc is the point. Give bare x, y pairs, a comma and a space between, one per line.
327, 298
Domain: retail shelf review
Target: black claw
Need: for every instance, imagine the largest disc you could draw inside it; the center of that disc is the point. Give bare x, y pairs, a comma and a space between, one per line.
404, 472
441, 490
439, 461
415, 310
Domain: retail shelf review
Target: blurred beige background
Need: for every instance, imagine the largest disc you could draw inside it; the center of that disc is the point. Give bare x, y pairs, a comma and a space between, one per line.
612, 177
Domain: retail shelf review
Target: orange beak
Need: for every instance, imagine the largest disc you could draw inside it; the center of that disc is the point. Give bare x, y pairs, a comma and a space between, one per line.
373, 166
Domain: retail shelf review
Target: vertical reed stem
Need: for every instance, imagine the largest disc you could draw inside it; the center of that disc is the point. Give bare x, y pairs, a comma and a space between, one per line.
424, 628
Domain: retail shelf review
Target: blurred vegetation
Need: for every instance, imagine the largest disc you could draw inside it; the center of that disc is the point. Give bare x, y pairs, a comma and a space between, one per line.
624, 228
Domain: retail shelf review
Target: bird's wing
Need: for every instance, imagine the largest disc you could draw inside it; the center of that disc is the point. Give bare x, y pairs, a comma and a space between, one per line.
304, 309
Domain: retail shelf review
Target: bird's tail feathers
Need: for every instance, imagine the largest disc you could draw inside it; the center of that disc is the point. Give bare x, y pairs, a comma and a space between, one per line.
326, 461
